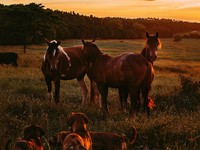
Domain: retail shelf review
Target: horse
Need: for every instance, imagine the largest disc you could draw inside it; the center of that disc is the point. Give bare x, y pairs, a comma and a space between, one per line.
63, 63
128, 70
152, 44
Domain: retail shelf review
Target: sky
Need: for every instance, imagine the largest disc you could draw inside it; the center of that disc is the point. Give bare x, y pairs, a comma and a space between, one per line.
186, 10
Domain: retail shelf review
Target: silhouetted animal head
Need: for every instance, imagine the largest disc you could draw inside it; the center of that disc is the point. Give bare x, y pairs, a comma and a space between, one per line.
77, 121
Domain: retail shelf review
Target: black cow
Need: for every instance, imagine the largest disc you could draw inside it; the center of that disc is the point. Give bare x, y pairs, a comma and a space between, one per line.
9, 58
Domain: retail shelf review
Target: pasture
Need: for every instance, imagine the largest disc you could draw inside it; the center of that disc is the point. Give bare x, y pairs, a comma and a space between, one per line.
173, 124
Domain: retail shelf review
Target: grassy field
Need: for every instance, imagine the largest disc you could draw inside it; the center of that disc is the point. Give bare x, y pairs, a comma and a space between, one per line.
173, 124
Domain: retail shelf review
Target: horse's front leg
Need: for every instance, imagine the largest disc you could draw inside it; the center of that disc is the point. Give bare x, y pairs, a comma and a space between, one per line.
49, 88
104, 93
57, 89
84, 91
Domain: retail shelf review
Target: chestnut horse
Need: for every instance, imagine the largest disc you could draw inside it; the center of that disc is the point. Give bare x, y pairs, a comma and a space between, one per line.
129, 70
152, 45
63, 64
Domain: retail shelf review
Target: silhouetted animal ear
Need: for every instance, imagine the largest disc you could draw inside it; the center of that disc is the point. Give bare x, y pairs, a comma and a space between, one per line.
70, 119
157, 34
83, 41
93, 40
74, 115
85, 118
147, 34
42, 132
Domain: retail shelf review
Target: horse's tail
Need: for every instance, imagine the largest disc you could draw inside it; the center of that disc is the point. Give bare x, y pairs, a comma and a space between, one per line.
146, 85
148, 77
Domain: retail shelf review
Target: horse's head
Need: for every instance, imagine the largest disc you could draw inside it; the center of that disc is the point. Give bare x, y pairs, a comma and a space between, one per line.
151, 47
52, 54
90, 50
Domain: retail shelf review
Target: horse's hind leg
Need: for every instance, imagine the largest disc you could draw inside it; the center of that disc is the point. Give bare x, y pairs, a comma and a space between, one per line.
84, 91
57, 89
134, 101
104, 93
138, 98
95, 96
123, 95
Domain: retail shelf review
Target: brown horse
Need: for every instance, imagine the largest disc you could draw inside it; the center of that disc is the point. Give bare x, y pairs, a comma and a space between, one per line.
63, 64
152, 45
129, 70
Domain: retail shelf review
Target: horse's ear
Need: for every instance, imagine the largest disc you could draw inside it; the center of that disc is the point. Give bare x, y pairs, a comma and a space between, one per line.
83, 41
147, 34
157, 34
46, 40
85, 118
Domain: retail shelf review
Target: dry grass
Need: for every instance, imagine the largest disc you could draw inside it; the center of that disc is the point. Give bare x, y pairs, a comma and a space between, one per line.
173, 124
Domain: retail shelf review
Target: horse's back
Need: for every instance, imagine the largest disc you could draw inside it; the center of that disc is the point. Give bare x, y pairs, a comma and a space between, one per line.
77, 60
125, 69
76, 55
133, 68
76, 51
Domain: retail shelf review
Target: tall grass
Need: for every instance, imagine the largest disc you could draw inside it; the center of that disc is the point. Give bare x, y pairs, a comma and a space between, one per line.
173, 124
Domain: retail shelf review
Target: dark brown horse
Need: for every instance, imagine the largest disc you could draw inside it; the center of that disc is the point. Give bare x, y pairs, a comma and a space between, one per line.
63, 64
129, 70
152, 45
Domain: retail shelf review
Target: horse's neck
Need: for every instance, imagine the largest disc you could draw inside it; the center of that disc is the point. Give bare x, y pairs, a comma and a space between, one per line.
94, 56
146, 55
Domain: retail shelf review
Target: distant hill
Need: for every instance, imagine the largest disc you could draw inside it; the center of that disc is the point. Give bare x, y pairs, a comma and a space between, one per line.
25, 24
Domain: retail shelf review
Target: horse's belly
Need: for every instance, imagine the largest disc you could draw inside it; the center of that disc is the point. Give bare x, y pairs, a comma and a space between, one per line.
72, 74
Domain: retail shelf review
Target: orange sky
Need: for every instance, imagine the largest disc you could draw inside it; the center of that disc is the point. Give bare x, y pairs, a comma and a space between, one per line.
187, 10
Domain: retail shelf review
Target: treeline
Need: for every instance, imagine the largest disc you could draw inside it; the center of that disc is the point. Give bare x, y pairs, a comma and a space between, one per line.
25, 24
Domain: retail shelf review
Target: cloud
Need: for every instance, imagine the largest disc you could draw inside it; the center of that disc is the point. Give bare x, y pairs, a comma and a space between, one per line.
190, 5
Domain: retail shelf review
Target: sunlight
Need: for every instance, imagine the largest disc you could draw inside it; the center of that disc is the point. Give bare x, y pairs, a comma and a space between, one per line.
175, 9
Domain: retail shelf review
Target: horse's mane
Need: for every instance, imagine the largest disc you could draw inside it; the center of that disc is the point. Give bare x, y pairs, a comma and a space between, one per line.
61, 49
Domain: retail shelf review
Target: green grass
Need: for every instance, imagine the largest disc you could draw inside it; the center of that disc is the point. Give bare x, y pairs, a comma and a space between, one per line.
173, 124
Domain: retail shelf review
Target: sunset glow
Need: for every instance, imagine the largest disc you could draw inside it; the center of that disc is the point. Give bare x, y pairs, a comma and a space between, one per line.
186, 10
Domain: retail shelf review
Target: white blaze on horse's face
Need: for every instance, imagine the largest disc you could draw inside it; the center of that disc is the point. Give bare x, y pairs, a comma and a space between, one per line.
52, 55
152, 45
153, 54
